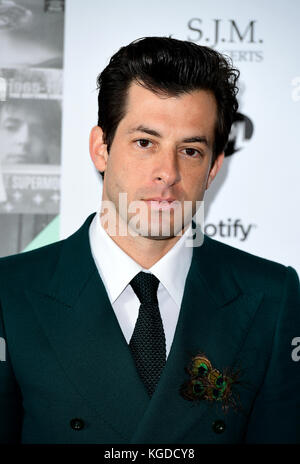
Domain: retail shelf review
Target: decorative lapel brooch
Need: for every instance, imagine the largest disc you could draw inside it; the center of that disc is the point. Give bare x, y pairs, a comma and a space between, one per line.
209, 383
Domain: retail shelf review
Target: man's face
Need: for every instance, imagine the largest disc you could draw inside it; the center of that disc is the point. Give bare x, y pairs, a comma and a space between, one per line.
163, 147
22, 137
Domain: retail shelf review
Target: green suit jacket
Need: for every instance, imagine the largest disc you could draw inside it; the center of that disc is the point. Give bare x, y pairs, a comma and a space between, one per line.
64, 356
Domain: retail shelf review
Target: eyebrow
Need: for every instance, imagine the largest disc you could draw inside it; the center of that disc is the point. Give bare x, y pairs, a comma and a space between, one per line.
147, 130
12, 119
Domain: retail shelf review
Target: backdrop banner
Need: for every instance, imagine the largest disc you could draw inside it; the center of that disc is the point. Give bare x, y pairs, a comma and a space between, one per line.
253, 202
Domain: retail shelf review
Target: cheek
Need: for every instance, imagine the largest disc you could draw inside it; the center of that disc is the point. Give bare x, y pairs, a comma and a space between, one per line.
36, 143
6, 136
7, 142
120, 169
114, 180
114, 174
195, 181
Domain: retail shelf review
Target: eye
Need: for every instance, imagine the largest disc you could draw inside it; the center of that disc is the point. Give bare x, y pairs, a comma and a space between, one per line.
11, 126
192, 152
143, 143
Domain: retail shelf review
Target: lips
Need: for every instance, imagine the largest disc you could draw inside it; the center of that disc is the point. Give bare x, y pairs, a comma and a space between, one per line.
161, 200
15, 158
162, 203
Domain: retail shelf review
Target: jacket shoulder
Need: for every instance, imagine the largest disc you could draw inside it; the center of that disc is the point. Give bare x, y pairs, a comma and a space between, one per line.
250, 269
30, 265
36, 267
43, 260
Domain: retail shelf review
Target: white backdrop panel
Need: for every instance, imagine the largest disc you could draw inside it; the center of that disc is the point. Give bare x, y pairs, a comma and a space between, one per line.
258, 187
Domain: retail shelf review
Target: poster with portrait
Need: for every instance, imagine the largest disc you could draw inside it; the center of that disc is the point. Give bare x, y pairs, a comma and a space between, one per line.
31, 67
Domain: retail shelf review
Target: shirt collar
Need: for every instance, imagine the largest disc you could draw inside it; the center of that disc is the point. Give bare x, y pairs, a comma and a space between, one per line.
111, 260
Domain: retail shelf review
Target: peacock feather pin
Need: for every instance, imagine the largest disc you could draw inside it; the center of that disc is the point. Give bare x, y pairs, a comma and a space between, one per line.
210, 384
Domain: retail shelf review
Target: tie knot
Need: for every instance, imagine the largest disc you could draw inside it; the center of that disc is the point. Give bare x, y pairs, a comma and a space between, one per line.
145, 286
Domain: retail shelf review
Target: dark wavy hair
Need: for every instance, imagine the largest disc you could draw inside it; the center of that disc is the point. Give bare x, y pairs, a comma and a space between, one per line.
169, 67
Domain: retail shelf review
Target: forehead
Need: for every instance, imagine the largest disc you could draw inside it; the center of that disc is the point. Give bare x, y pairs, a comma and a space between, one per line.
188, 111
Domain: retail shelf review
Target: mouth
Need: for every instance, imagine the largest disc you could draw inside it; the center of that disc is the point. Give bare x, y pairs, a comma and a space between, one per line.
162, 204
15, 158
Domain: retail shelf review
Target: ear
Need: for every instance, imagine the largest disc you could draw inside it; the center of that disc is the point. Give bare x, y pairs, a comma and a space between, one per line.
98, 149
215, 169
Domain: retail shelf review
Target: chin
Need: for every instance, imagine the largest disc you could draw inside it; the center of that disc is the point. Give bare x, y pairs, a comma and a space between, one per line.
154, 231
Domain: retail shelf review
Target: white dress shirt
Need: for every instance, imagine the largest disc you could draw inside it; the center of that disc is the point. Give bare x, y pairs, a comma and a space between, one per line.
117, 269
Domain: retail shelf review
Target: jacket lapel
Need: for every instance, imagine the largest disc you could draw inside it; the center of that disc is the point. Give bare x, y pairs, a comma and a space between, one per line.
214, 318
76, 315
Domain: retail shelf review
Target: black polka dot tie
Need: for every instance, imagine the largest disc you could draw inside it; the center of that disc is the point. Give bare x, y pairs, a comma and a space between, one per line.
148, 343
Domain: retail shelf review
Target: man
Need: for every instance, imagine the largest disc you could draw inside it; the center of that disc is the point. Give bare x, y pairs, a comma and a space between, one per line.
124, 332
30, 132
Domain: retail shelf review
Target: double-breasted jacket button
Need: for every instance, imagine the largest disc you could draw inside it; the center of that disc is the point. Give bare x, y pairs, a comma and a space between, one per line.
218, 426
76, 423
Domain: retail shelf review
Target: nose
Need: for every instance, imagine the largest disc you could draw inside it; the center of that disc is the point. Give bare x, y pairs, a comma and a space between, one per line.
167, 169
22, 137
